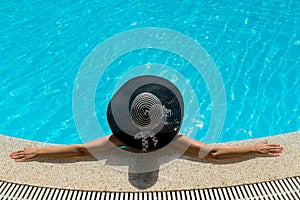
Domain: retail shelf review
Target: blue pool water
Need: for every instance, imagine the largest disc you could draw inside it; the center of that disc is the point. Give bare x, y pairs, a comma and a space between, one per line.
254, 44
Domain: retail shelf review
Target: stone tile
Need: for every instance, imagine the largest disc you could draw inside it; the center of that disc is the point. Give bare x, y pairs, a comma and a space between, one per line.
183, 173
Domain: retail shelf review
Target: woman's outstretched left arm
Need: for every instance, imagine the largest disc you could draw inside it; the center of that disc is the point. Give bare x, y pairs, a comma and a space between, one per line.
53, 151
74, 150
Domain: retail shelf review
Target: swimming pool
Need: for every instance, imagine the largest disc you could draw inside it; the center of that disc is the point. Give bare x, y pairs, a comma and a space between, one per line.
255, 46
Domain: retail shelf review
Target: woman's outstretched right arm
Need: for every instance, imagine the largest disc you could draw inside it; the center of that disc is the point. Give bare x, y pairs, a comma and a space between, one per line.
201, 150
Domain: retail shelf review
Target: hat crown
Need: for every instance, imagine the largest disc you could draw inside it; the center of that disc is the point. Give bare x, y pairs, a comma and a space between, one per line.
147, 111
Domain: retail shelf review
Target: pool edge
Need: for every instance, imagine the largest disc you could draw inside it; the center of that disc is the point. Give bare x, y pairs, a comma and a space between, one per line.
183, 174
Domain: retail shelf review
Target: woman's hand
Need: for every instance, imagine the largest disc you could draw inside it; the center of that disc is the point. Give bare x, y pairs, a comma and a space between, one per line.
24, 155
268, 149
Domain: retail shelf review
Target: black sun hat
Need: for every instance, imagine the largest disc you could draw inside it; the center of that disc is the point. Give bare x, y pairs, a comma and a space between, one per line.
146, 113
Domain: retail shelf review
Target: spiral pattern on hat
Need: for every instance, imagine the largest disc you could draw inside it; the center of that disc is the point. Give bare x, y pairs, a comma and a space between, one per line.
147, 111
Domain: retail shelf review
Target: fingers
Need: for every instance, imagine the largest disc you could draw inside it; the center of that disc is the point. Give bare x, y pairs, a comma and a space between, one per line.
271, 145
27, 154
273, 154
17, 155
22, 160
274, 145
266, 142
20, 151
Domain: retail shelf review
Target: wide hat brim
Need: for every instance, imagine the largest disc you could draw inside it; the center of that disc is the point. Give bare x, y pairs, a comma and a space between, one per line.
121, 112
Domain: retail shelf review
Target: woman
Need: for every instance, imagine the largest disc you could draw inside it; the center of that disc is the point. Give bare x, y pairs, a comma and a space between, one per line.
146, 114
217, 151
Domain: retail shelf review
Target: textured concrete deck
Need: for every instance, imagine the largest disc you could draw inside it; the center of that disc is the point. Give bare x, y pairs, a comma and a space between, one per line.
184, 173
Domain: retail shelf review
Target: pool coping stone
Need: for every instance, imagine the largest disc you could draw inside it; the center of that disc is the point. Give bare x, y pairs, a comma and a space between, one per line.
182, 174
